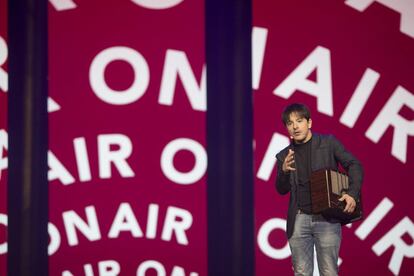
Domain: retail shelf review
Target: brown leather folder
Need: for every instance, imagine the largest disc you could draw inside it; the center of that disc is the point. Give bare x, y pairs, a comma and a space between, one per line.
327, 186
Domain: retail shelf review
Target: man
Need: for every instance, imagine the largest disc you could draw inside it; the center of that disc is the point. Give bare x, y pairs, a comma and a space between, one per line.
307, 153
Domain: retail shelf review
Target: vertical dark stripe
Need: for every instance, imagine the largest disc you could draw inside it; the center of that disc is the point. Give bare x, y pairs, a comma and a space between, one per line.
229, 138
28, 136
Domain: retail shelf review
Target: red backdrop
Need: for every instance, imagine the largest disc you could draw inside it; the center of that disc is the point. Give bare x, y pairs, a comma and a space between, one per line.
127, 130
127, 158
353, 68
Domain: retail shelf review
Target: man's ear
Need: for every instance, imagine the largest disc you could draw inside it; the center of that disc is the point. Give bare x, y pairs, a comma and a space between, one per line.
309, 123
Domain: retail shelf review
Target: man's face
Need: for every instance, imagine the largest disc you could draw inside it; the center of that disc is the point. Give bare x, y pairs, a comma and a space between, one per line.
299, 128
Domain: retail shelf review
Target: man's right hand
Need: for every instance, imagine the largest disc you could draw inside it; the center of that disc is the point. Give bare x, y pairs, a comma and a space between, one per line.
289, 163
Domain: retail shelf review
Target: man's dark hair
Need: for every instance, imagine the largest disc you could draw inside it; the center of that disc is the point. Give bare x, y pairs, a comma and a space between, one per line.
300, 109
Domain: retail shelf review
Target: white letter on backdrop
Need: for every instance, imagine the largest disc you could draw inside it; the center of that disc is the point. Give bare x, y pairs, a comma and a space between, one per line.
277, 143
4, 83
97, 75
117, 157
319, 60
57, 170
389, 117
259, 38
150, 264
176, 220
157, 4
167, 161
401, 248
404, 7
177, 65
90, 230
125, 221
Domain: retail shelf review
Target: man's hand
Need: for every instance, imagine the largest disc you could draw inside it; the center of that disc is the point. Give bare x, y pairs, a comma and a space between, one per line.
350, 203
289, 163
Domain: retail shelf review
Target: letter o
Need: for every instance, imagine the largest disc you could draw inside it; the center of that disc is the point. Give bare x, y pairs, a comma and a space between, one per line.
263, 239
97, 75
3, 246
4, 85
54, 239
167, 161
143, 267
157, 4
3, 51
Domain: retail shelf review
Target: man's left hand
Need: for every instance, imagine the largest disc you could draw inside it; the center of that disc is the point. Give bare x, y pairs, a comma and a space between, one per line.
350, 203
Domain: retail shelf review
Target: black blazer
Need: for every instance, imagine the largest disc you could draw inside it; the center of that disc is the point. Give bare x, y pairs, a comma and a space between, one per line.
326, 152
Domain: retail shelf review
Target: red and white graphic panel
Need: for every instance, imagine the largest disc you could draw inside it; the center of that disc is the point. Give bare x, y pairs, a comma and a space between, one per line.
127, 157
3, 135
351, 63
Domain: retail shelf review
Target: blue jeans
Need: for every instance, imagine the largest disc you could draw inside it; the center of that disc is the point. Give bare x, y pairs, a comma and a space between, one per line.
310, 231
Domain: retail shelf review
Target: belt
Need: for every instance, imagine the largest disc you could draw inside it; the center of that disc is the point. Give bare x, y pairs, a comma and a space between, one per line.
315, 217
